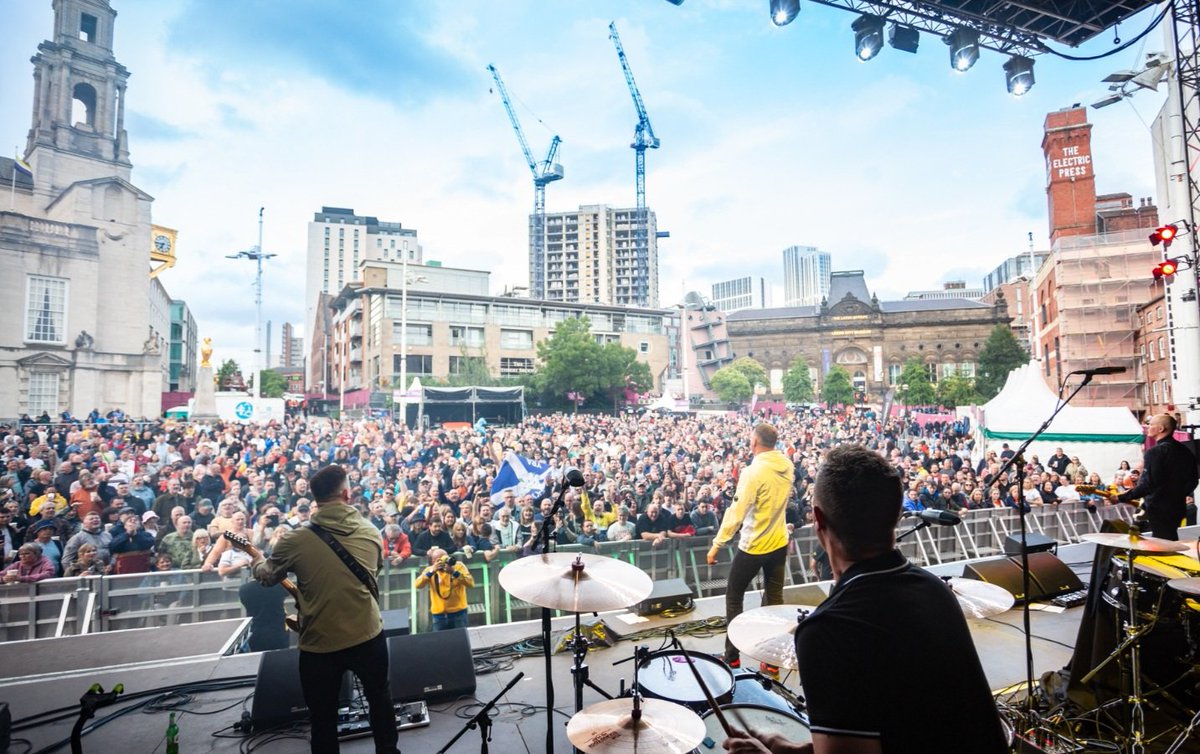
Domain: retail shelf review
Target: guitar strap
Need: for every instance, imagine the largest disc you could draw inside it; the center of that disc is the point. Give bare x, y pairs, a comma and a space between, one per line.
351, 562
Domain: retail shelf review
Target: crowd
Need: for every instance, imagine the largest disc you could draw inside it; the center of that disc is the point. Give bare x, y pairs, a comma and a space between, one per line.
105, 495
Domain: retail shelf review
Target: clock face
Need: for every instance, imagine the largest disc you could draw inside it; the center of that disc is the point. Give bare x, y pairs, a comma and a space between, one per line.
162, 243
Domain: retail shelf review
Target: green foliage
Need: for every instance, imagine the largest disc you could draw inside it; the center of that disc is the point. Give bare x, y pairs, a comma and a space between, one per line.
472, 370
572, 361
754, 372
228, 369
731, 384
797, 382
920, 391
273, 384
1000, 355
838, 388
957, 391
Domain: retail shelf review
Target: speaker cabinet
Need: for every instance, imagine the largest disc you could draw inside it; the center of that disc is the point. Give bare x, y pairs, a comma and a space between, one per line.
277, 694
1034, 542
1048, 576
432, 667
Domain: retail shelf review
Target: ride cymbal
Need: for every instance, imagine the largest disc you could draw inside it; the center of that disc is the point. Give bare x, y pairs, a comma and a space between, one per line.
1135, 543
768, 634
576, 582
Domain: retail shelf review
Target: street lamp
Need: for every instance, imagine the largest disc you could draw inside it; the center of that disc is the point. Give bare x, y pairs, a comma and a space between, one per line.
258, 256
405, 281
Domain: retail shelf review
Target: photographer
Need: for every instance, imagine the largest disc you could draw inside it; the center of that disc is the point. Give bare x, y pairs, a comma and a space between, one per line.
449, 581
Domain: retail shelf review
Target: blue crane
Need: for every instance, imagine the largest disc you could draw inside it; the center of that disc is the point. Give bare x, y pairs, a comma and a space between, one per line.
544, 172
643, 139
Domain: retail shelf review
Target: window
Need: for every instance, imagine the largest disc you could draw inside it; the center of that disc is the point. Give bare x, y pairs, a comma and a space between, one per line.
1152, 357
510, 367
1162, 350
87, 27
43, 393
1142, 352
467, 365
1154, 391
893, 373
83, 105
516, 340
416, 364
644, 346
931, 370
949, 369
967, 369
418, 334
45, 309
1158, 313
472, 337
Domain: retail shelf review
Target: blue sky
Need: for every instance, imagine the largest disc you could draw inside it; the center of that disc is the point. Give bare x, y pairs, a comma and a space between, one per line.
770, 136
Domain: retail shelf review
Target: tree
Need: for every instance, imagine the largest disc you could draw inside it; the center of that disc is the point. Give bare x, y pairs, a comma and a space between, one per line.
919, 391
573, 362
228, 372
731, 385
620, 371
1000, 355
472, 370
957, 391
797, 382
838, 389
754, 372
273, 384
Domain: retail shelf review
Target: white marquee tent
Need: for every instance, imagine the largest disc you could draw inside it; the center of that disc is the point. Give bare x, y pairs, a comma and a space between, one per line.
1101, 437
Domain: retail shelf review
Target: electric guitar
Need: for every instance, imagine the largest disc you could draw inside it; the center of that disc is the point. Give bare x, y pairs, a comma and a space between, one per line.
293, 622
1106, 492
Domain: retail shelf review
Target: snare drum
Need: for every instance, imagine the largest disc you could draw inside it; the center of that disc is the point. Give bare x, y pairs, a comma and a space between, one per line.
753, 688
666, 675
1152, 572
754, 717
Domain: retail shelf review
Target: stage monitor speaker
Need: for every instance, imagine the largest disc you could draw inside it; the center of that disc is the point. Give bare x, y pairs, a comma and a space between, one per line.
433, 667
1034, 542
396, 623
1048, 576
277, 694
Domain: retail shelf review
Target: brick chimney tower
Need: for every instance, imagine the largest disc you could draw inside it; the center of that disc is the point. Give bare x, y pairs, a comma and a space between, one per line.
1070, 178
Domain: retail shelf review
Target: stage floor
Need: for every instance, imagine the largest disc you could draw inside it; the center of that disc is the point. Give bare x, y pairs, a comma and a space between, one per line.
1000, 643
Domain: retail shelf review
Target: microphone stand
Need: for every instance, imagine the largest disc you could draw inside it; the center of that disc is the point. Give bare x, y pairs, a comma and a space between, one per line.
482, 720
1018, 460
544, 535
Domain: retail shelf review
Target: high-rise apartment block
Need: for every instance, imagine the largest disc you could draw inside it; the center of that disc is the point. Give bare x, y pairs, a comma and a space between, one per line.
291, 353
1022, 265
806, 272
599, 255
748, 292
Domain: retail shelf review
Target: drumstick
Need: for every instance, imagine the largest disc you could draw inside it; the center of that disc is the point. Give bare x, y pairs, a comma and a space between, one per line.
712, 703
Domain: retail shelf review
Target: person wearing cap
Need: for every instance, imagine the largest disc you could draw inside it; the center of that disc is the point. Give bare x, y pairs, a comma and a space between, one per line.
203, 515
43, 535
150, 524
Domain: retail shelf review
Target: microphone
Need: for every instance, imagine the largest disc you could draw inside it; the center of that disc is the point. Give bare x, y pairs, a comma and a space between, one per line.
573, 477
932, 516
1100, 370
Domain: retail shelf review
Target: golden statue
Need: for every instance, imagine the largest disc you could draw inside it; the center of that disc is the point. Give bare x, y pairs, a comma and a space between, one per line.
206, 353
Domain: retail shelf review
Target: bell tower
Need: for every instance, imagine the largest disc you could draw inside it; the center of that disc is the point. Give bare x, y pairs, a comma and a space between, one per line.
79, 98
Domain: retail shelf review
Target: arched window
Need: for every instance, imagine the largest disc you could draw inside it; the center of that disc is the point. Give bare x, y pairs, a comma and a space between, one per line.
83, 105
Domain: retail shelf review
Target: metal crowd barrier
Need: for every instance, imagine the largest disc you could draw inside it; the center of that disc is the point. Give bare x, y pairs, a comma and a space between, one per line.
74, 606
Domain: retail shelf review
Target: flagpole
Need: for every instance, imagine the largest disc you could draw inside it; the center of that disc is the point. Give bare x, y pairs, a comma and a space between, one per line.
12, 189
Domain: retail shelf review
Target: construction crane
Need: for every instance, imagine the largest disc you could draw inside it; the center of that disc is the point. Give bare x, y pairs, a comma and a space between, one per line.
544, 172
643, 139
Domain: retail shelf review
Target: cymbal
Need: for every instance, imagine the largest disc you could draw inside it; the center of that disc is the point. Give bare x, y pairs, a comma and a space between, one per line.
1135, 543
576, 582
979, 599
608, 727
1187, 586
768, 634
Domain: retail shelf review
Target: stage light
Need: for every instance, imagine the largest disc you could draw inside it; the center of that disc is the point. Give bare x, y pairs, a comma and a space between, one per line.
783, 12
1018, 75
675, 2
868, 36
964, 48
1164, 235
903, 38
1166, 270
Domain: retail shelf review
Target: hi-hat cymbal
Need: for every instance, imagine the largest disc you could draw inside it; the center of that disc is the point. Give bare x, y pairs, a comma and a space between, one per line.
608, 727
979, 599
576, 582
768, 634
1133, 542
1187, 586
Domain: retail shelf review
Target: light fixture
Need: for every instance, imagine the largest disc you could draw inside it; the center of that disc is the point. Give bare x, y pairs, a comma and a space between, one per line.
783, 12
903, 38
868, 36
1018, 75
964, 48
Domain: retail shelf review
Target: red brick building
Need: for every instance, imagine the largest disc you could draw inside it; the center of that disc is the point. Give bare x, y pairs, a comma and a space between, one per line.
1154, 358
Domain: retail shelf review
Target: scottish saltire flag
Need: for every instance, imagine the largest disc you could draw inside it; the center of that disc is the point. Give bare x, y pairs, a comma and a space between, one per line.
519, 474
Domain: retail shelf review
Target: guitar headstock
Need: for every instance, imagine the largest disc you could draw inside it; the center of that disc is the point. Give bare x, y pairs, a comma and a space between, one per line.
237, 540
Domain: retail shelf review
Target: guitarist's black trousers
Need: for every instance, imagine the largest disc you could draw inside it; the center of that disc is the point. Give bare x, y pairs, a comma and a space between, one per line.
321, 679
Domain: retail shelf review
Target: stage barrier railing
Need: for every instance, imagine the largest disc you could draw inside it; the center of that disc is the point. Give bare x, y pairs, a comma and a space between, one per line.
73, 606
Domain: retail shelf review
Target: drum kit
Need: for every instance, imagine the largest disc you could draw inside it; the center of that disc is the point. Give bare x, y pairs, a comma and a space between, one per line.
680, 701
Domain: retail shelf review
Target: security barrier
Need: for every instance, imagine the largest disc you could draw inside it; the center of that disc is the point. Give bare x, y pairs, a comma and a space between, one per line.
73, 606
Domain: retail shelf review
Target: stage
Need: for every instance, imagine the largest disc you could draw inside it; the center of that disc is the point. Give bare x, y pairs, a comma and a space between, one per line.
152, 658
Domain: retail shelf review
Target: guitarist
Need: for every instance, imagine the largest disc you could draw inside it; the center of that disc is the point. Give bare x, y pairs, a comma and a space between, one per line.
1169, 476
342, 629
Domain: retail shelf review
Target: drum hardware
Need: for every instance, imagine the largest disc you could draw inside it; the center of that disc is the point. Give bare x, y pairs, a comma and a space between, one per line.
703, 687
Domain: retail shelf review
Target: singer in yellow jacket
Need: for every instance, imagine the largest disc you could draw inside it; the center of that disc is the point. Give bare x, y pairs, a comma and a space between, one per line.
448, 584
759, 509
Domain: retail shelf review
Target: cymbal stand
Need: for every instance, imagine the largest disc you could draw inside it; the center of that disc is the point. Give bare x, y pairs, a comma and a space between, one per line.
579, 670
482, 720
544, 535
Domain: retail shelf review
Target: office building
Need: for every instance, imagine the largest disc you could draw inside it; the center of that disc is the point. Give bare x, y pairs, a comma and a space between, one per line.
291, 352
806, 272
182, 349
599, 255
1022, 265
748, 292
951, 289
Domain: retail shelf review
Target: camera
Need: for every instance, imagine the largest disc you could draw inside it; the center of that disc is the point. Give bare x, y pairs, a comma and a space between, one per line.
273, 520
451, 561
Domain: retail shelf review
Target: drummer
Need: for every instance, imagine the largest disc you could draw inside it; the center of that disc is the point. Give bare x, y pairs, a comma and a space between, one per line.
863, 676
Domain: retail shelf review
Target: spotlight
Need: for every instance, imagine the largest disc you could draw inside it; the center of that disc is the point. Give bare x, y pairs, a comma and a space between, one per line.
1166, 270
903, 38
964, 48
783, 12
868, 36
675, 2
1164, 235
1018, 74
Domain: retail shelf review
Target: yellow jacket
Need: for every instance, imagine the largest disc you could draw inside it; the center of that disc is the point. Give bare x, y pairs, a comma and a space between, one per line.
601, 520
449, 590
760, 505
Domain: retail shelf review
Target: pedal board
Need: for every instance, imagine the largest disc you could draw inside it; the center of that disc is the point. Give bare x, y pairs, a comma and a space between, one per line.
1071, 599
357, 723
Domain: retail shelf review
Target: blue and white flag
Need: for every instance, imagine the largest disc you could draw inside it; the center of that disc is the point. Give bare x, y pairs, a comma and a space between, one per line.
519, 474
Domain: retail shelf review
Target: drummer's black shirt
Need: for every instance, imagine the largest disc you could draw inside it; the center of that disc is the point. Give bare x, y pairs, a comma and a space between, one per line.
888, 655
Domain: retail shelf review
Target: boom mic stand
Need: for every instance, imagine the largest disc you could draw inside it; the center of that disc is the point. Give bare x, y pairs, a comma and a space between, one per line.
1018, 460
482, 720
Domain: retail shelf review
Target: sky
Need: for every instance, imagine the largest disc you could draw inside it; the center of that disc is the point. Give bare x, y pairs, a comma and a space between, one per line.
771, 136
